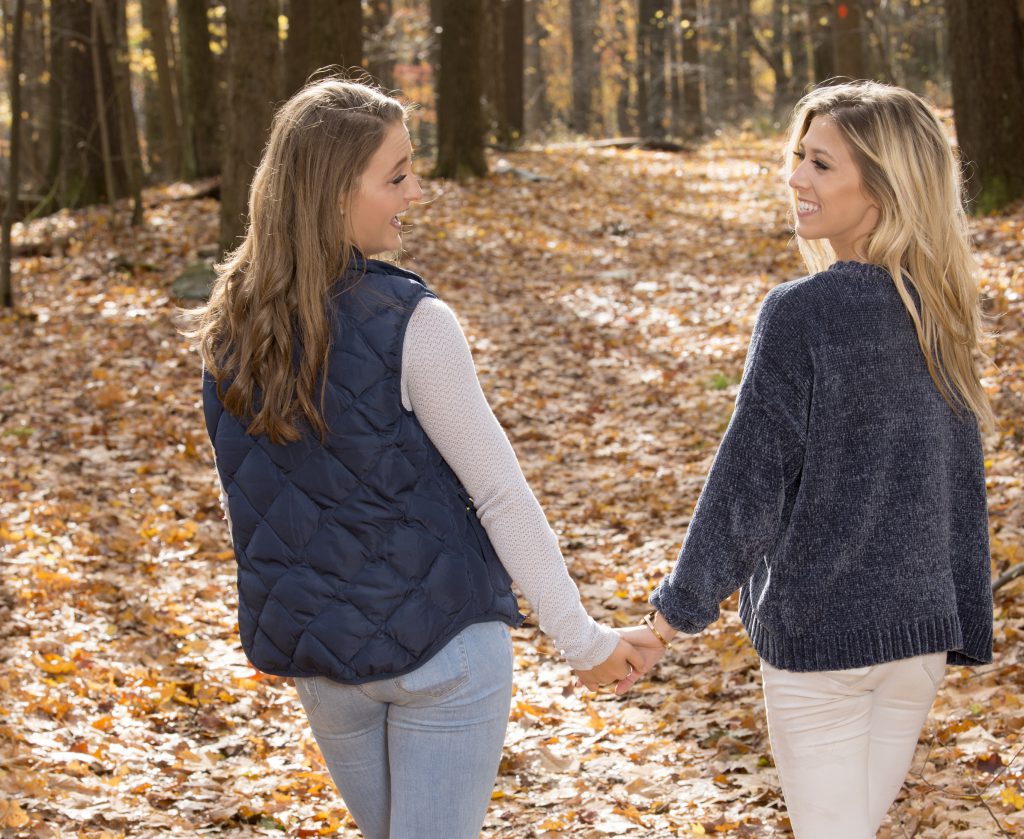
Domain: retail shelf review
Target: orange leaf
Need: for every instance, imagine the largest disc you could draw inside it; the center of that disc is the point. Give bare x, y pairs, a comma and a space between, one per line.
11, 814
54, 664
631, 813
532, 710
109, 395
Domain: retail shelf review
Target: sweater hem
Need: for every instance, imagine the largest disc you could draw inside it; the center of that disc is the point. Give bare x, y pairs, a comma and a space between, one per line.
860, 648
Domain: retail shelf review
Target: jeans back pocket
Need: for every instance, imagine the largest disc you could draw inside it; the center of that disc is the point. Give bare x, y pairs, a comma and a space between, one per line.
308, 694
443, 673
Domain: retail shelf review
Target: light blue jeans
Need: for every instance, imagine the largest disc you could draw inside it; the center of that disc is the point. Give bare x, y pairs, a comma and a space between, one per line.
417, 756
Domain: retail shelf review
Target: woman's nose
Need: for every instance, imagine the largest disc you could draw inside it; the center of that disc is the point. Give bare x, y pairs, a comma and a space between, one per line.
796, 178
416, 191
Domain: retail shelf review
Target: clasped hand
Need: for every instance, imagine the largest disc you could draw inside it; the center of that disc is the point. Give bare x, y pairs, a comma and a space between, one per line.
637, 652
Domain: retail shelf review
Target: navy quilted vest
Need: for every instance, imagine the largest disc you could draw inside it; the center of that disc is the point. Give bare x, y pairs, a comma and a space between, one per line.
358, 559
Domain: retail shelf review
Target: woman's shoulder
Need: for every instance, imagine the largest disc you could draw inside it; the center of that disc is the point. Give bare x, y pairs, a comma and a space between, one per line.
805, 309
378, 283
841, 279
380, 268
843, 286
386, 275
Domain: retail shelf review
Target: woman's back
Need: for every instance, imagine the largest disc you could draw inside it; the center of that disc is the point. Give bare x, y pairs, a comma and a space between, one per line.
347, 547
847, 493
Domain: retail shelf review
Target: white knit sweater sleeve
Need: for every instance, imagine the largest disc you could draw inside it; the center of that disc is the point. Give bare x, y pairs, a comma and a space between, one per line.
440, 385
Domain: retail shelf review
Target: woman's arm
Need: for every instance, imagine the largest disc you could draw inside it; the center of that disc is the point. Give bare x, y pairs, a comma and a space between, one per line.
440, 385
739, 515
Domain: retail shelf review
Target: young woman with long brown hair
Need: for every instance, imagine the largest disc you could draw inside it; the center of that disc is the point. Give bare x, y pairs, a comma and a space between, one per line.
376, 508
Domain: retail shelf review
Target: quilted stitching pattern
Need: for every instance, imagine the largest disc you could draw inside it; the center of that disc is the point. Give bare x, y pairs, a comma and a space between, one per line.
356, 559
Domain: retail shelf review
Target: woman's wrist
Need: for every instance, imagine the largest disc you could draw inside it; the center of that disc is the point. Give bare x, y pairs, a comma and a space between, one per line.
660, 628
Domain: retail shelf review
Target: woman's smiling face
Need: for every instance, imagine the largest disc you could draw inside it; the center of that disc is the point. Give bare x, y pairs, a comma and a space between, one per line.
829, 193
384, 191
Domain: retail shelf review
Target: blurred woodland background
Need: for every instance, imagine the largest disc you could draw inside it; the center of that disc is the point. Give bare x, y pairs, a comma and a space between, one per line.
106, 96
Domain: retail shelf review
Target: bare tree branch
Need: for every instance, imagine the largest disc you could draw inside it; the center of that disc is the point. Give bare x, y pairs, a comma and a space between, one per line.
1008, 576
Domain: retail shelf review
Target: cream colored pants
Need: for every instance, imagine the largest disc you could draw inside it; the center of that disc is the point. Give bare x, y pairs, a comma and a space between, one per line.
843, 740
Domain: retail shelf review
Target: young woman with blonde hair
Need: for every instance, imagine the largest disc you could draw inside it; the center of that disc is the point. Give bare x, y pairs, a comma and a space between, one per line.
376, 508
847, 499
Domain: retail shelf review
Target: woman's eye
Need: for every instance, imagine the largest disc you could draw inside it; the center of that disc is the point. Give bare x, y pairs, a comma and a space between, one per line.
821, 167
398, 180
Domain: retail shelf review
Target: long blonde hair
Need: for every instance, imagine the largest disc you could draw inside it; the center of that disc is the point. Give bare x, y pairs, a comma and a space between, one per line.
908, 169
265, 333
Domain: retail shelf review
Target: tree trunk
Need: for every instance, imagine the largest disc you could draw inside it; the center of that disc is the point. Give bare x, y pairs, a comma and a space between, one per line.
913, 70
513, 29
11, 208
658, 90
79, 163
34, 97
583, 26
460, 125
924, 32
55, 108
674, 49
152, 124
744, 49
128, 135
880, 47
322, 33
782, 35
822, 50
848, 40
652, 90
538, 113
252, 42
493, 46
693, 108
720, 85
643, 64
774, 53
987, 44
154, 18
98, 51
799, 52
939, 47
627, 71
428, 130
199, 109
378, 46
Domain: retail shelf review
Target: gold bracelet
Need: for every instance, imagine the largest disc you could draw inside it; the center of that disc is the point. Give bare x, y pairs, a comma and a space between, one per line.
649, 622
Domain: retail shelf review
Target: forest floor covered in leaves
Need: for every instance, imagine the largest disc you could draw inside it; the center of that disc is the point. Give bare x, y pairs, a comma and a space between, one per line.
608, 306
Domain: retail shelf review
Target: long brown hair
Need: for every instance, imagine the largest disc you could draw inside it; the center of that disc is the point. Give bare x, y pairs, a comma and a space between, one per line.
908, 168
265, 334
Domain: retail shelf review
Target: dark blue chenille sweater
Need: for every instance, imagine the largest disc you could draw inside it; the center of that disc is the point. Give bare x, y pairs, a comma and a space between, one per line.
847, 500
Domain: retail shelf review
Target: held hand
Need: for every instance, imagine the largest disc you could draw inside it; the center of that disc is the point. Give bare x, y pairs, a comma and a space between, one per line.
649, 648
622, 664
